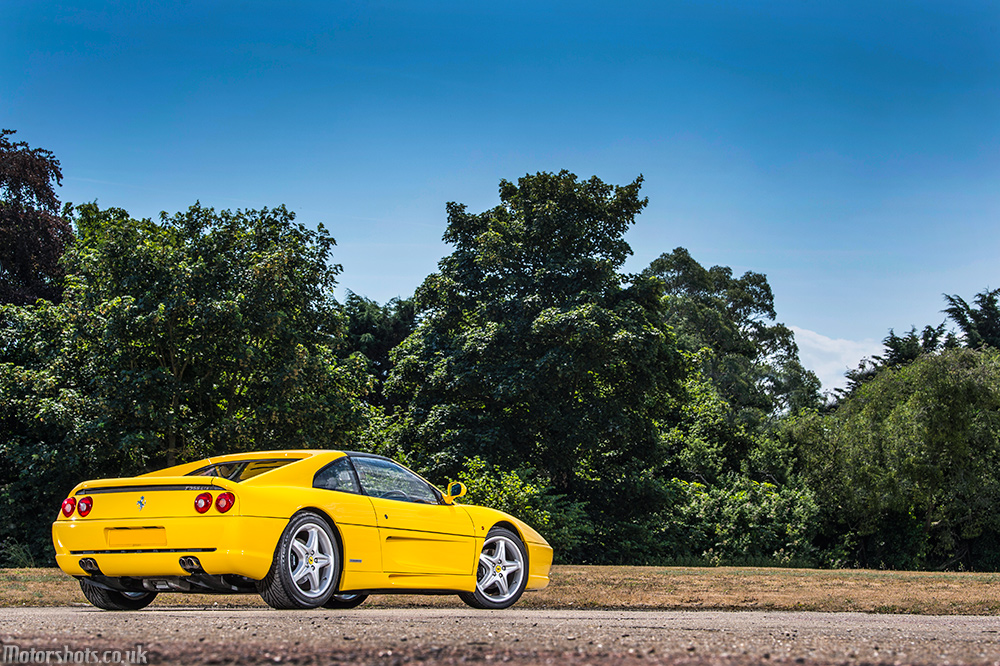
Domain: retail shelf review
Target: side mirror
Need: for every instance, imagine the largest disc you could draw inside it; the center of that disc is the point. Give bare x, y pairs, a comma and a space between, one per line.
455, 489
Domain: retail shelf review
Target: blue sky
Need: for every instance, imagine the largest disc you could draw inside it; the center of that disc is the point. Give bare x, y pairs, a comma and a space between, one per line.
850, 151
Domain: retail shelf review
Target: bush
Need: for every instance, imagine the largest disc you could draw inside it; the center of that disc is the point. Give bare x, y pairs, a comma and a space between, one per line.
563, 523
739, 522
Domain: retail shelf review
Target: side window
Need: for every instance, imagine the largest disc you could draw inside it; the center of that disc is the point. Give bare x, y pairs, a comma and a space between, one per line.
384, 478
338, 475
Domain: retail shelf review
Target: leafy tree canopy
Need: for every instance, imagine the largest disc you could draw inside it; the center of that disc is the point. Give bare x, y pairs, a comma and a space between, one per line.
214, 329
375, 330
755, 363
207, 332
899, 350
32, 234
533, 350
980, 323
910, 462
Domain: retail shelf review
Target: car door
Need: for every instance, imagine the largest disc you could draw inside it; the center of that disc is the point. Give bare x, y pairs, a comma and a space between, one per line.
419, 533
354, 515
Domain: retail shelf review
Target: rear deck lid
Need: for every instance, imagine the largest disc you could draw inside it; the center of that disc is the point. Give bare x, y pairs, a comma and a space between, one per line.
147, 498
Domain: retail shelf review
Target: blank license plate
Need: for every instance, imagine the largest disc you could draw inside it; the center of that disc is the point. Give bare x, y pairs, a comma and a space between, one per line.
142, 536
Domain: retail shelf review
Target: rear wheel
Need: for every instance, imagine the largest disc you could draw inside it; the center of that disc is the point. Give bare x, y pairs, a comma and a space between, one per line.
114, 600
345, 601
305, 567
502, 573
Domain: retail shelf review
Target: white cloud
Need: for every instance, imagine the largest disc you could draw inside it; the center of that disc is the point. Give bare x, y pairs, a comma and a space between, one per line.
830, 358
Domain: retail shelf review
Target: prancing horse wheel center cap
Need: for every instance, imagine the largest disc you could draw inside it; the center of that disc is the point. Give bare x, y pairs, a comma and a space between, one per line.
498, 569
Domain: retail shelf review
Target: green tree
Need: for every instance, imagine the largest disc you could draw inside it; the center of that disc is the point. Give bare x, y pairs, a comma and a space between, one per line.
703, 438
32, 234
51, 427
898, 351
980, 323
375, 330
755, 361
533, 350
740, 522
909, 464
215, 330
207, 332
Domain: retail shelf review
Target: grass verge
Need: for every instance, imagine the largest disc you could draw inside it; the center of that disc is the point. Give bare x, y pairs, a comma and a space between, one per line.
640, 588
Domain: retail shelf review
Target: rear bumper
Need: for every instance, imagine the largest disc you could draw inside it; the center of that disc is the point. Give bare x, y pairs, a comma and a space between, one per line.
240, 545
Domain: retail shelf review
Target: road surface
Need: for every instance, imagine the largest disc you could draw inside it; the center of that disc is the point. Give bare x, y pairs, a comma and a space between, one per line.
520, 637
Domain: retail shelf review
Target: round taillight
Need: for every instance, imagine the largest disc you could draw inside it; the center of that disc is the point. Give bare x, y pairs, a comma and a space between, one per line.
225, 502
68, 506
203, 502
84, 506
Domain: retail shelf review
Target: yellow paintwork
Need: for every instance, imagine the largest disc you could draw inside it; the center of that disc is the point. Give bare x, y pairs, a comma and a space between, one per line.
386, 544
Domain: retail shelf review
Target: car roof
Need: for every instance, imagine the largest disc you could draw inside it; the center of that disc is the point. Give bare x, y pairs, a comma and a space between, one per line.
292, 453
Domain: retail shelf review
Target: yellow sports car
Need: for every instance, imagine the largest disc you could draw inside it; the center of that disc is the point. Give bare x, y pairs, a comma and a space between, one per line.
301, 528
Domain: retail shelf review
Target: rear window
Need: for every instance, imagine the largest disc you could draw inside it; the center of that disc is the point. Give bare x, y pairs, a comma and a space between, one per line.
241, 470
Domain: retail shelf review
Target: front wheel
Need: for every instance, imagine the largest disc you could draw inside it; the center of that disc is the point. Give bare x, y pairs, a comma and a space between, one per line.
306, 564
114, 600
345, 601
502, 573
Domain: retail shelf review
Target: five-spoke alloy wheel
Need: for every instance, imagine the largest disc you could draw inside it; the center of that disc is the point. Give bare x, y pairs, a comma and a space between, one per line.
306, 565
502, 573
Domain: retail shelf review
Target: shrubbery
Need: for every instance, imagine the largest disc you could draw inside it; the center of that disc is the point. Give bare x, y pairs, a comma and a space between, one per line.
740, 521
563, 523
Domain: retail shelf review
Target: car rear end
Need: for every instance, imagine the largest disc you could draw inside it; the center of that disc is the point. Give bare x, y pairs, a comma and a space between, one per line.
157, 528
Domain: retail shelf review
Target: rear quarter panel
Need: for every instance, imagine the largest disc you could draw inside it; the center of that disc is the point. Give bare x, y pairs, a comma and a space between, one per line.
283, 492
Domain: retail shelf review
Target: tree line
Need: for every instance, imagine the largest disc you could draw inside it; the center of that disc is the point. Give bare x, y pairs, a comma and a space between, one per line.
656, 417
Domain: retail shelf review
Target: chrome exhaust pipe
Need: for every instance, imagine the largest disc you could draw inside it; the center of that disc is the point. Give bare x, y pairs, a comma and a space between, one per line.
191, 564
89, 565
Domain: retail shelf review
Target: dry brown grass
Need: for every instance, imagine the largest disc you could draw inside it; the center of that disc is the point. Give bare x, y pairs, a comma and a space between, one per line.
738, 588
643, 588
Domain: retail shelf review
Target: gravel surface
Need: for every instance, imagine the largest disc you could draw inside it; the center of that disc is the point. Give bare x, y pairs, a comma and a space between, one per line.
396, 636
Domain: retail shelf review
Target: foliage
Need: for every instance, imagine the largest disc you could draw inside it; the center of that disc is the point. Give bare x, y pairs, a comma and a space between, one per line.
655, 418
742, 521
910, 463
563, 523
533, 350
51, 427
32, 234
374, 330
209, 332
214, 330
980, 324
754, 364
15, 554
899, 350
704, 440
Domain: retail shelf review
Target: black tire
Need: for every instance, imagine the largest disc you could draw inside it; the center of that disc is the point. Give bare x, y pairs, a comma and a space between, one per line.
501, 573
306, 565
113, 600
345, 600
